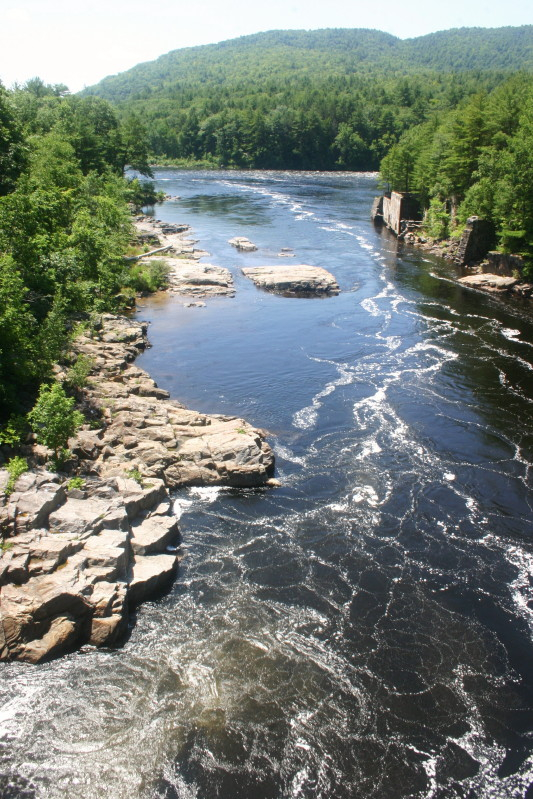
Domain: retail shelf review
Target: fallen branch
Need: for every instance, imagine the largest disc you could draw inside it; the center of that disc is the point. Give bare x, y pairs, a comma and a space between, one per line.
147, 254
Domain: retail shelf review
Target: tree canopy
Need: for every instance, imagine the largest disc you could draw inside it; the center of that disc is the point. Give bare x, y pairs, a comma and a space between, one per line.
64, 222
474, 159
327, 99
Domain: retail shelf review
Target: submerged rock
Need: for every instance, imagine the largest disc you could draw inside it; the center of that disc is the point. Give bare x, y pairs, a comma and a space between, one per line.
295, 280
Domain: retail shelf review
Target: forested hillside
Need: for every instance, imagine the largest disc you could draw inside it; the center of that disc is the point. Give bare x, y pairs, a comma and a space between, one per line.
329, 99
475, 159
64, 223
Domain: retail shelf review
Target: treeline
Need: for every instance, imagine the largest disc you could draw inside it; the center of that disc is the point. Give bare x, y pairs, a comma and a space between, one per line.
299, 54
474, 159
329, 123
329, 99
64, 223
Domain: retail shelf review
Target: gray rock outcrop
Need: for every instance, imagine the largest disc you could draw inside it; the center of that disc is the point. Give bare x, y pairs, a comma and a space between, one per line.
496, 284
74, 561
146, 431
188, 277
299, 280
68, 576
242, 244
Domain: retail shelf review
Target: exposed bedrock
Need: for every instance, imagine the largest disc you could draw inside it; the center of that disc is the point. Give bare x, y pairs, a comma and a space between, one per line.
294, 280
73, 562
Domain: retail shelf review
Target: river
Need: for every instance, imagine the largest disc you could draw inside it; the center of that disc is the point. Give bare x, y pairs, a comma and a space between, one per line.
365, 630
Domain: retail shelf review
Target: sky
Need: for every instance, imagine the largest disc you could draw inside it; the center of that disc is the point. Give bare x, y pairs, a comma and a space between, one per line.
79, 42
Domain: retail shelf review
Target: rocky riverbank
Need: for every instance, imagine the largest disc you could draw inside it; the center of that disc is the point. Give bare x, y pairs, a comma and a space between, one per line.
77, 556
172, 244
494, 273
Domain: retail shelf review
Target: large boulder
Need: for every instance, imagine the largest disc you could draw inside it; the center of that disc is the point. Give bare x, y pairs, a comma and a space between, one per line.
149, 575
68, 582
299, 280
243, 244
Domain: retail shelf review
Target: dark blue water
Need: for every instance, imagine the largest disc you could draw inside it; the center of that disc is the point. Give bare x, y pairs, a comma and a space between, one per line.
366, 629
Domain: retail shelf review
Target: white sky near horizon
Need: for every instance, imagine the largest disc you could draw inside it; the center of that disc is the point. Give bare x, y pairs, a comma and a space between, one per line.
79, 43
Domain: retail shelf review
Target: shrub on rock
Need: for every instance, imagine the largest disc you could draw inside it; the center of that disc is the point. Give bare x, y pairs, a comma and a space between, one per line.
54, 419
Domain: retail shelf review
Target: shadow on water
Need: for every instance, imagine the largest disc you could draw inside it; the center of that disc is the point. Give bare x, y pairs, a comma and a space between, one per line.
236, 209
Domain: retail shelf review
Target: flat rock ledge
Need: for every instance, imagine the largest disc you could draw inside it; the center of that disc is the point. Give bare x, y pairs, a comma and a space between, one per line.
74, 562
192, 279
299, 280
79, 561
497, 284
187, 276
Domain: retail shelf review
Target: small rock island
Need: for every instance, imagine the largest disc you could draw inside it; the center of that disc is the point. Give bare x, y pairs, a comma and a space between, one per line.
299, 280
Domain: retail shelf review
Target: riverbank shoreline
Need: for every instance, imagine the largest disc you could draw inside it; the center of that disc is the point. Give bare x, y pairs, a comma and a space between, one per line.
476, 274
78, 555
174, 248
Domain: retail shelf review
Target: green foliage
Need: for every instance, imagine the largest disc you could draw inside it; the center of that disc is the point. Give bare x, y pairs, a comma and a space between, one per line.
13, 430
478, 158
150, 276
326, 99
12, 149
75, 482
79, 372
437, 219
15, 467
64, 223
135, 474
18, 334
142, 193
54, 419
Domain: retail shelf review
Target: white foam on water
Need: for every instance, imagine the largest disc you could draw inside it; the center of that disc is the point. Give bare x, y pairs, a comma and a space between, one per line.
366, 494
364, 243
390, 342
305, 418
368, 447
207, 493
370, 306
287, 454
11, 709
181, 506
512, 335
338, 506
521, 587
374, 401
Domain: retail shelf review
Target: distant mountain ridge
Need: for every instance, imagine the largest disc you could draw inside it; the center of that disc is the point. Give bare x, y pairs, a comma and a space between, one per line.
321, 52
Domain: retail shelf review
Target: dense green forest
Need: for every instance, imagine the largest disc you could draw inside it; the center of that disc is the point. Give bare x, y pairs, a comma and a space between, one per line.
64, 223
475, 159
327, 99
